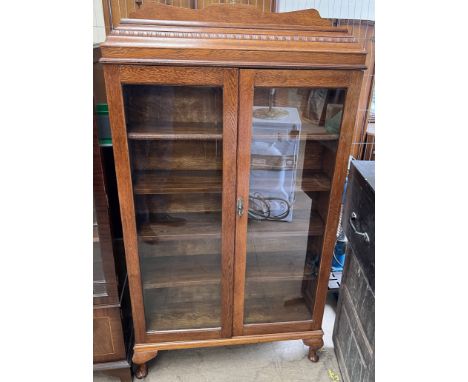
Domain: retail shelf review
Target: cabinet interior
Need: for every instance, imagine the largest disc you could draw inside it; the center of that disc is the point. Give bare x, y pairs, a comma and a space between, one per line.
175, 141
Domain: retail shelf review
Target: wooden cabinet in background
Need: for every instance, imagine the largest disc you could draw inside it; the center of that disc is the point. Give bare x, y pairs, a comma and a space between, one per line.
354, 331
231, 132
109, 337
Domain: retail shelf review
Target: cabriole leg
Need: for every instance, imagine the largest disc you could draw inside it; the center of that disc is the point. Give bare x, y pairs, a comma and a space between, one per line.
140, 359
141, 371
314, 345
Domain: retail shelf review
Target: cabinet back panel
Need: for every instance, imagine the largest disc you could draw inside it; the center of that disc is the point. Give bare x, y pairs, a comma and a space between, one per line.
176, 155
159, 105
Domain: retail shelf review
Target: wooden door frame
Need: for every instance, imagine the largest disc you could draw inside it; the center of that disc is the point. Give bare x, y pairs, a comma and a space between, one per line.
118, 75
248, 79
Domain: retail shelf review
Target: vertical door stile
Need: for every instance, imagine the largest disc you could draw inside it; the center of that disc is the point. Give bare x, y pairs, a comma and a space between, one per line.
246, 83
230, 113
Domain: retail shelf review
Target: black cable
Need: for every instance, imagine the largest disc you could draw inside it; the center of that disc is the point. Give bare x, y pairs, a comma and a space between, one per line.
260, 208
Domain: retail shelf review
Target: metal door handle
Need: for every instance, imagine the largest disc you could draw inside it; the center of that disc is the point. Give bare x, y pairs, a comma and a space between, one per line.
363, 234
240, 206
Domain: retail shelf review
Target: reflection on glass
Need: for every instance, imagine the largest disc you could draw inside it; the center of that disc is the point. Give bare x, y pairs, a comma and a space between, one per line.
175, 146
294, 140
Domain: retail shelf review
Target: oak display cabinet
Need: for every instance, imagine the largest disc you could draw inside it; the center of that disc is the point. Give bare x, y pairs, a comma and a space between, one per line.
231, 131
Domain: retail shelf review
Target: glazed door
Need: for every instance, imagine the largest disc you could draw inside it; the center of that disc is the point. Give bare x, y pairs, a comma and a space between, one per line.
175, 134
294, 137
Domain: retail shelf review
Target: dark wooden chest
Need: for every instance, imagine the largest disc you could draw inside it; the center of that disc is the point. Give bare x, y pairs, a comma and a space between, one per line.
353, 334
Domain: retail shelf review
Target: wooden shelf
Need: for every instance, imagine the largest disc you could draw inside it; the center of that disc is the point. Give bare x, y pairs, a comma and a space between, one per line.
178, 271
305, 222
200, 131
177, 155
275, 301
179, 203
189, 226
200, 307
312, 132
309, 132
196, 131
300, 226
203, 225
315, 182
183, 308
188, 182
278, 309
185, 316
177, 182
189, 247
208, 225
183, 271
276, 267
201, 246
159, 239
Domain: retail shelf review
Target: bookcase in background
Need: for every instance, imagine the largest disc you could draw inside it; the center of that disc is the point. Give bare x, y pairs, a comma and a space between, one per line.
229, 224
111, 316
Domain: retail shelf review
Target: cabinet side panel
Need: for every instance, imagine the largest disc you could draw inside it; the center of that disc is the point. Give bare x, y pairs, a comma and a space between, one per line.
108, 342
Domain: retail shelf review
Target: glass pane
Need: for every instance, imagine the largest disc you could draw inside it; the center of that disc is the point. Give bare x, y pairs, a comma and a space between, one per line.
99, 281
175, 145
295, 135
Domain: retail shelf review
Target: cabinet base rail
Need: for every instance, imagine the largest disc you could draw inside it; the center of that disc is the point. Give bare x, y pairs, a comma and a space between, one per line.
146, 352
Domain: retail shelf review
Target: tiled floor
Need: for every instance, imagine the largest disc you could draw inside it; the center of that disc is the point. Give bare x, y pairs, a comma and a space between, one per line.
268, 362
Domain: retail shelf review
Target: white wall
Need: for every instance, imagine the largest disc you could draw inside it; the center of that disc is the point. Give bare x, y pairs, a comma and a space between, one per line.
99, 31
343, 9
